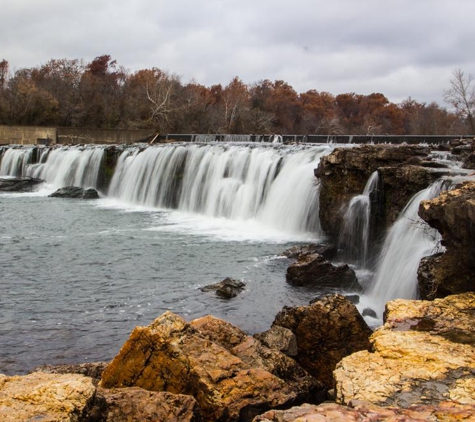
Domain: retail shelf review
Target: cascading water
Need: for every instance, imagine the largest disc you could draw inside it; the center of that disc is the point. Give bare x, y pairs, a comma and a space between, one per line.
14, 161
273, 186
407, 242
355, 232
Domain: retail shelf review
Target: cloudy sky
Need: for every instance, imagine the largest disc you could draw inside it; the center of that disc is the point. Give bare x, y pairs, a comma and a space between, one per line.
400, 48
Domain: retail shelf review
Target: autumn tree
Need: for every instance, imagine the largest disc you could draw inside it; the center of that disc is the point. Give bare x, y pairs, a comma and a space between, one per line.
461, 96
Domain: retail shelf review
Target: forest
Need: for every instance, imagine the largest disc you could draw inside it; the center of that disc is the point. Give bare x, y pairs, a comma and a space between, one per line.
103, 94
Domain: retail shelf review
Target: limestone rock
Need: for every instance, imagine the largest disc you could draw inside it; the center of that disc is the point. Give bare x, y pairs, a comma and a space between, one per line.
19, 184
279, 338
75, 192
49, 397
226, 289
452, 213
257, 355
137, 404
424, 354
315, 270
171, 355
326, 331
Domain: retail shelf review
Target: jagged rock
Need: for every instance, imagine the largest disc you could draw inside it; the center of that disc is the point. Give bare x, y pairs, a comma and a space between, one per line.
424, 354
326, 331
93, 369
366, 412
171, 355
75, 192
315, 270
279, 338
452, 213
137, 404
226, 289
328, 251
258, 355
19, 184
469, 161
49, 397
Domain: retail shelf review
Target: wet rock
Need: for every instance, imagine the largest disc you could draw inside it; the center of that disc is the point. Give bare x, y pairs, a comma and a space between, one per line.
257, 355
137, 404
49, 397
226, 289
326, 331
279, 338
366, 411
469, 161
93, 369
424, 354
452, 213
328, 251
19, 184
355, 299
315, 270
369, 312
75, 192
172, 355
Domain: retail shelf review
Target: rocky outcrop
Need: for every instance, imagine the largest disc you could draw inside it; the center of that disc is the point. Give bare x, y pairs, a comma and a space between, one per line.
258, 355
49, 397
423, 355
326, 331
315, 270
328, 251
93, 370
172, 355
19, 184
452, 213
226, 289
279, 338
75, 192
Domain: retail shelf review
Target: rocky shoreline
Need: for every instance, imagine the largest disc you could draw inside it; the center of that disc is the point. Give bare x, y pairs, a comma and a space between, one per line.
316, 362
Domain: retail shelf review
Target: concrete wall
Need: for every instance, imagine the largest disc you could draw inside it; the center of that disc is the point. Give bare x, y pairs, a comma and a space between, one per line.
101, 136
27, 135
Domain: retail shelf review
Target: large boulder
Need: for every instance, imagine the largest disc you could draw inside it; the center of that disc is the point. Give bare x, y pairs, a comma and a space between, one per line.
315, 270
423, 354
452, 213
49, 397
172, 355
19, 184
75, 192
326, 331
258, 355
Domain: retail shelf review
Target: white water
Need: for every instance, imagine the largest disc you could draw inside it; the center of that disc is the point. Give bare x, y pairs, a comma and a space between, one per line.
407, 242
355, 231
15, 161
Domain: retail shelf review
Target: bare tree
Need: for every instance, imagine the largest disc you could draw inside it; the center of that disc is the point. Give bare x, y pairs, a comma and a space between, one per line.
461, 96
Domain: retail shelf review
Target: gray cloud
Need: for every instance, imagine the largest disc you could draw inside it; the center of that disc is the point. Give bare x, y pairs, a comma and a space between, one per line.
400, 48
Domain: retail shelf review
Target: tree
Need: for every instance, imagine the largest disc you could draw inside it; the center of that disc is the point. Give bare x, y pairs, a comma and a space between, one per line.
461, 96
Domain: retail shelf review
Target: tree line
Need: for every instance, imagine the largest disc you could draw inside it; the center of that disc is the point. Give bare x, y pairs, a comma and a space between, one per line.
103, 94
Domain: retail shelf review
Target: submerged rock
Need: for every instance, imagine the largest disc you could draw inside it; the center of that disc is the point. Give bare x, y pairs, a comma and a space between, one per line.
326, 331
424, 354
226, 289
315, 270
75, 192
19, 184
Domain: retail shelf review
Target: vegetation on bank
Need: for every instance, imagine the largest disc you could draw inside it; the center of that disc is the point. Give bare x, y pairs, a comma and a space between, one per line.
103, 94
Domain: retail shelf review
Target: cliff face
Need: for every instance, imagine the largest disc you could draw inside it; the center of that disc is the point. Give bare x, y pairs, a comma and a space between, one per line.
452, 213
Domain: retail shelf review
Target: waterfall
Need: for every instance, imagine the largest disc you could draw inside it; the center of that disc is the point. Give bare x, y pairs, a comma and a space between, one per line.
356, 225
15, 161
274, 186
407, 242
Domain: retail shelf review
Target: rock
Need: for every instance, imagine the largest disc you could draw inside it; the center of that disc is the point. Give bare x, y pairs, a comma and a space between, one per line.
326, 331
279, 338
369, 312
93, 370
328, 251
315, 270
226, 289
355, 299
424, 354
49, 397
19, 184
258, 355
137, 404
366, 412
75, 192
452, 213
172, 355
469, 161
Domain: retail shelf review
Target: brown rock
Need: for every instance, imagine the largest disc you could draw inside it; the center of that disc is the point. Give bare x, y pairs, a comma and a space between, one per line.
327, 250
315, 270
137, 404
93, 370
171, 355
326, 331
279, 338
49, 397
226, 289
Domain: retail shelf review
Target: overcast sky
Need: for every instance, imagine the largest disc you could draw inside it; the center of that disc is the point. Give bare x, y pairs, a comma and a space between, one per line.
400, 48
